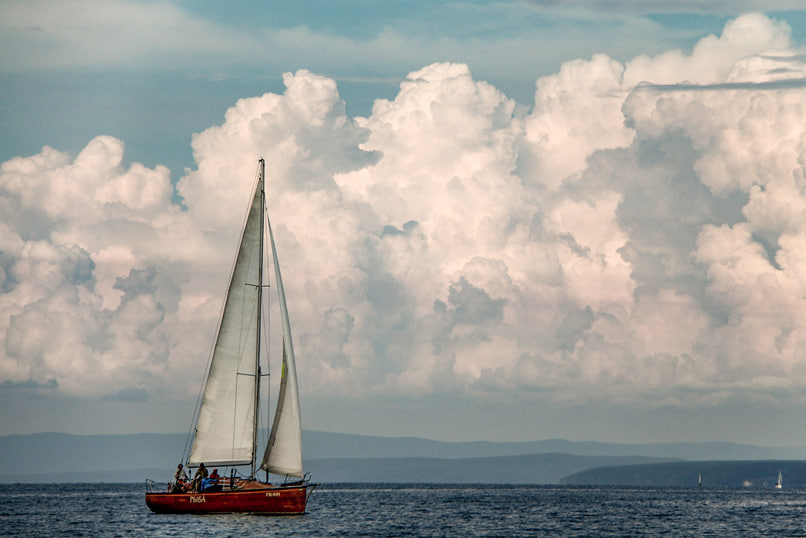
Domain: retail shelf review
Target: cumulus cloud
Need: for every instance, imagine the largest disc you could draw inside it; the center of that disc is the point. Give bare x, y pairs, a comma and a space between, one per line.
75, 239
635, 236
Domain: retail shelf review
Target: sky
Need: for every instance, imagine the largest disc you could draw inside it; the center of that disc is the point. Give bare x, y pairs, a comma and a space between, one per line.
512, 220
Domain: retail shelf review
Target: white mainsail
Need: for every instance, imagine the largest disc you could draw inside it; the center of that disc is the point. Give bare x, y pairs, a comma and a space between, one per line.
284, 451
225, 427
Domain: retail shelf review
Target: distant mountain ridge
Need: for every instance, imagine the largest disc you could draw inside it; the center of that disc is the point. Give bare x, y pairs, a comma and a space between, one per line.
732, 474
334, 457
339, 445
548, 468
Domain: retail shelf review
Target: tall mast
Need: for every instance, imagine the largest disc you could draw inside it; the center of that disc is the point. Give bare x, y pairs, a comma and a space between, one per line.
261, 182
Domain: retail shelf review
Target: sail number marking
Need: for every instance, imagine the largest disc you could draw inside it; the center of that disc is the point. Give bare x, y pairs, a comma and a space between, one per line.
197, 499
272, 494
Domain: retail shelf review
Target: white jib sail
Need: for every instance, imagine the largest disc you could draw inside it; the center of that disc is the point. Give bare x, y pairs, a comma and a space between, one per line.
284, 451
225, 428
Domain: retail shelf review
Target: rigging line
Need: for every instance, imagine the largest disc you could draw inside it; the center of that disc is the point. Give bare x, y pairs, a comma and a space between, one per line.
192, 430
261, 195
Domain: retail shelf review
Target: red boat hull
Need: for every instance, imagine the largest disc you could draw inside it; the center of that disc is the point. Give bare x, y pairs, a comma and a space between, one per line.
258, 499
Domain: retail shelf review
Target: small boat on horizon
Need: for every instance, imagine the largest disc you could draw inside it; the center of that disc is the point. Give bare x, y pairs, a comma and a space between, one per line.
780, 483
226, 421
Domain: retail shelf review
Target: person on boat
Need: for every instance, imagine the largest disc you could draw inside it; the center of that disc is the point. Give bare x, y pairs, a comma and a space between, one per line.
210, 483
201, 474
180, 479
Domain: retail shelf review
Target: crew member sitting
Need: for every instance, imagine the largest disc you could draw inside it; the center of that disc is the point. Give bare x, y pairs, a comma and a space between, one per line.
180, 480
211, 483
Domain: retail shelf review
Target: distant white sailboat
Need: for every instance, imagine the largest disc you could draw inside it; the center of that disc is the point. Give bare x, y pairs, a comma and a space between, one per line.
780, 483
699, 480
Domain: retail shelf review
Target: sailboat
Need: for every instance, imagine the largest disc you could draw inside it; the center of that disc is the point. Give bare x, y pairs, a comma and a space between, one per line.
780, 483
226, 422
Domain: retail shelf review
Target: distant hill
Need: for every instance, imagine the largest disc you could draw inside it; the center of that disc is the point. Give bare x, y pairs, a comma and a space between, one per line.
332, 457
733, 474
525, 469
41, 455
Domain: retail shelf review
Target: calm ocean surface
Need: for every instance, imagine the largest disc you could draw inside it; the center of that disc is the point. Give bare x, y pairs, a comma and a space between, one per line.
383, 510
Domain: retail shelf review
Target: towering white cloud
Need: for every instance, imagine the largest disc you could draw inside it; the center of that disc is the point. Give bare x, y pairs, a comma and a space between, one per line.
635, 236
84, 297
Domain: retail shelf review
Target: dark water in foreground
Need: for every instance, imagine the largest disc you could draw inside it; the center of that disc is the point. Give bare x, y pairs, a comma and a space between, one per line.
381, 510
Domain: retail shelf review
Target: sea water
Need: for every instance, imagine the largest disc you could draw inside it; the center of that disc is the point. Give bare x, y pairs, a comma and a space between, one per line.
394, 510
